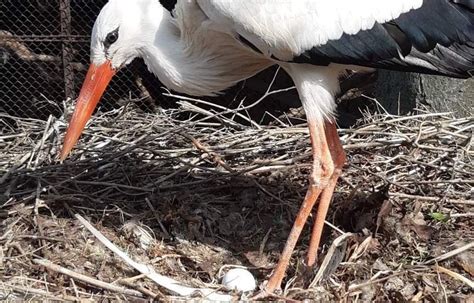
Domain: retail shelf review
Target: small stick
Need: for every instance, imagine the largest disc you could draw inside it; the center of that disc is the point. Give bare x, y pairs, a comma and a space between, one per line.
450, 254
86, 279
455, 275
267, 192
264, 242
204, 149
461, 215
145, 291
73, 287
354, 287
45, 294
334, 227
163, 229
432, 199
36, 219
36, 237
46, 135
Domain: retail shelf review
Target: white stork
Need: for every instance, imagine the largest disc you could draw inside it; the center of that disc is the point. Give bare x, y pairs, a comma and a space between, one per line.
200, 47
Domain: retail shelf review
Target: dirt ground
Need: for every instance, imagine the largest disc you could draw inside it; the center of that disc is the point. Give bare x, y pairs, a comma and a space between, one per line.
195, 197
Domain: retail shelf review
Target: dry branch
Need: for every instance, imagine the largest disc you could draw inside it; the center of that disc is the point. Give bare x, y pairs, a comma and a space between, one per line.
9, 41
80, 277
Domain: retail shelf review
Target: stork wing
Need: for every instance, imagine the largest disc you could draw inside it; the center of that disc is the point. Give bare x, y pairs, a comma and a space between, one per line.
434, 36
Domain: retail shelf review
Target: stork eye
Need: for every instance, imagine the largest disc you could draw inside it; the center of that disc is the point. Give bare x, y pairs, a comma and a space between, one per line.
111, 38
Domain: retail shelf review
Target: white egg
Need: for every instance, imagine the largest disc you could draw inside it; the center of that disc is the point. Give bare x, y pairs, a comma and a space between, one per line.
239, 279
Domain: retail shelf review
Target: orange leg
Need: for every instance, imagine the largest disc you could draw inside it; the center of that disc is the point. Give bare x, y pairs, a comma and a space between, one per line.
338, 158
323, 169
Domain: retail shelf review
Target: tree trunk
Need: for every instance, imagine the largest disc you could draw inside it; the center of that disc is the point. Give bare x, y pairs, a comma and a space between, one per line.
399, 93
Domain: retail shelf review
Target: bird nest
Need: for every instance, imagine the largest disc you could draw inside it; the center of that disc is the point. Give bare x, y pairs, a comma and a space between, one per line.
191, 193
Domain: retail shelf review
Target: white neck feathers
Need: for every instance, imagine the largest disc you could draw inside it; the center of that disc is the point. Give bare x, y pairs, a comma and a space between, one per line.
190, 58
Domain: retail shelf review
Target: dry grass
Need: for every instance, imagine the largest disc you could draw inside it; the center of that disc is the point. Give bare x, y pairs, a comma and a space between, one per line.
190, 192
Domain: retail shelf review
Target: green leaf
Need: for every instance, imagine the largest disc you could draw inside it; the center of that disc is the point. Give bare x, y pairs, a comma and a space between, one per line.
440, 217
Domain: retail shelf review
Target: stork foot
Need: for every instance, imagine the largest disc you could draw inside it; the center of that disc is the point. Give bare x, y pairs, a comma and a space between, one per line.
338, 158
277, 277
329, 158
323, 207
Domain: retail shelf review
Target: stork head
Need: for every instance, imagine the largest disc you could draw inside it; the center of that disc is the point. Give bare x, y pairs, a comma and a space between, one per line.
122, 28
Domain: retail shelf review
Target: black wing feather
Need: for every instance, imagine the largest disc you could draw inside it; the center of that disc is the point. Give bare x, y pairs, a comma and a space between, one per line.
437, 38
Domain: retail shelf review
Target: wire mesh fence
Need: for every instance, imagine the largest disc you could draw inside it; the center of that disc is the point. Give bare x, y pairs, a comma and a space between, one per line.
44, 55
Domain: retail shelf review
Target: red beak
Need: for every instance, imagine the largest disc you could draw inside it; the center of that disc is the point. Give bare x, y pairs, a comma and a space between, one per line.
97, 79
